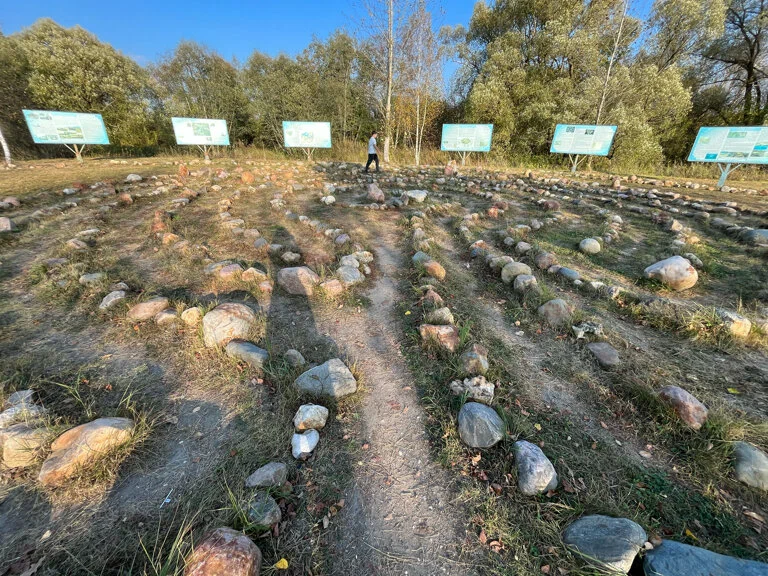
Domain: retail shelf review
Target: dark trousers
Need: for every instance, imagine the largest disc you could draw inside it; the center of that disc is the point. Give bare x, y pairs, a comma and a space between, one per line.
372, 158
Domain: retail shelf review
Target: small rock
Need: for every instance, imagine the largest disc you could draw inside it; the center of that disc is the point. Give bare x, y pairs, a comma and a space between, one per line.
302, 445
253, 275
272, 475
736, 324
480, 426
224, 551
556, 312
21, 444
751, 465
247, 352
474, 360
434, 269
476, 388
676, 272
332, 287
111, 299
535, 473
444, 336
294, 358
167, 316
677, 559
440, 316
544, 260
148, 309
300, 280
332, 378
192, 316
589, 246
92, 278
263, 510
513, 270
310, 417
227, 322
606, 355
686, 405
612, 543
349, 276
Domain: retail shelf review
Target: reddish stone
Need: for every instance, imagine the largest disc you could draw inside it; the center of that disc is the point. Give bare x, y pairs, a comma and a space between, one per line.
444, 336
224, 552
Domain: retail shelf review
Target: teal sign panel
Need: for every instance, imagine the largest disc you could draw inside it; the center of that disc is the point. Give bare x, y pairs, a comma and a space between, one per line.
307, 134
731, 145
52, 127
589, 140
466, 137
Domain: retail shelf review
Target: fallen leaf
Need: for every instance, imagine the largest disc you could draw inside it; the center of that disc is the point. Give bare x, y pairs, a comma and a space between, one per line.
690, 534
733, 391
281, 564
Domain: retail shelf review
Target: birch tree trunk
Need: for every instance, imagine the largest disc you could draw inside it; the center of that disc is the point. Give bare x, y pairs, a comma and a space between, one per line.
390, 77
6, 150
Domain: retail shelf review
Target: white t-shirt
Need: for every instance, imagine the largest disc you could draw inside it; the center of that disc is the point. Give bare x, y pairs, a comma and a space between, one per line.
372, 145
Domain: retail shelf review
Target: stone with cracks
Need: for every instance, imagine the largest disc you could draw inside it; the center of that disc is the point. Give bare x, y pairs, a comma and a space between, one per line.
535, 473
148, 309
477, 389
263, 510
272, 475
299, 280
224, 551
310, 417
610, 543
606, 355
330, 379
480, 426
226, 322
444, 336
81, 446
685, 405
302, 445
247, 352
678, 559
675, 272
556, 312
751, 465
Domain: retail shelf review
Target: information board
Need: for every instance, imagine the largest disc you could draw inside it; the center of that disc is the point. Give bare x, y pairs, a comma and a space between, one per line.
589, 140
731, 145
200, 131
307, 134
466, 137
51, 127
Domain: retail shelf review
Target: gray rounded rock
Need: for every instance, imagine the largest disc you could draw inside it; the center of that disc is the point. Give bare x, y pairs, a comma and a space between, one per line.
535, 473
270, 475
263, 510
330, 379
751, 465
480, 426
589, 246
608, 543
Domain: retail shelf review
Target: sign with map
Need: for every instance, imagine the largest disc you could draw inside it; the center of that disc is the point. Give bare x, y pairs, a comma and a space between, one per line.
588, 140
731, 145
307, 134
466, 137
51, 127
200, 131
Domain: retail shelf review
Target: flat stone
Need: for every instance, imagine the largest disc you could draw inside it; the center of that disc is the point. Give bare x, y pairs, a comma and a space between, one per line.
417, 195
678, 559
247, 352
535, 473
148, 309
21, 444
192, 316
263, 510
92, 278
480, 426
230, 272
685, 405
606, 355
556, 312
444, 336
272, 475
299, 280
476, 388
609, 543
751, 465
228, 321
111, 299
675, 272
224, 551
310, 417
332, 378
214, 268
302, 445
569, 273
253, 275
81, 446
25, 412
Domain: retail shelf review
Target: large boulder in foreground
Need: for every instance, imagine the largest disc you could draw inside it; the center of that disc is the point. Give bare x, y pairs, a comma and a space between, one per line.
330, 379
299, 280
676, 272
227, 322
677, 559
81, 446
607, 543
480, 426
224, 551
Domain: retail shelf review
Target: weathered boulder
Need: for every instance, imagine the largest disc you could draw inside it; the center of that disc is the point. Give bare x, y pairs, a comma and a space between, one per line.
272, 475
751, 465
375, 194
247, 352
332, 378
556, 312
678, 559
535, 473
299, 280
81, 446
263, 510
480, 426
226, 322
148, 309
476, 388
685, 405
513, 270
605, 354
443, 336
310, 417
21, 444
224, 551
474, 360
675, 272
604, 542
589, 246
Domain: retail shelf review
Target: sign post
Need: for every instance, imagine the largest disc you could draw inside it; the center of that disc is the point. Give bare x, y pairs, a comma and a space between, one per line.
205, 133
307, 135
581, 140
466, 138
730, 147
75, 128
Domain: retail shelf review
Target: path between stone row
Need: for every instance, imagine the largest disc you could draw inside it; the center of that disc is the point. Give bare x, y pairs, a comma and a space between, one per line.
399, 516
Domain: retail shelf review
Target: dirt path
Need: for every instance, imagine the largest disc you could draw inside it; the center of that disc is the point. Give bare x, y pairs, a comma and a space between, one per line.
400, 517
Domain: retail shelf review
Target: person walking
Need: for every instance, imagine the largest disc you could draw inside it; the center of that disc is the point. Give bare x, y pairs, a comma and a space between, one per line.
373, 151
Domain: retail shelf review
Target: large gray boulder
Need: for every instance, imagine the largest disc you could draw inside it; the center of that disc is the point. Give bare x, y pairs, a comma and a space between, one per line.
677, 559
480, 426
227, 322
675, 272
751, 465
535, 473
330, 379
606, 543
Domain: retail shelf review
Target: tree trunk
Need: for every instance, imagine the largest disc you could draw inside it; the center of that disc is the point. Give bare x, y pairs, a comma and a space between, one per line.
6, 150
390, 74
748, 88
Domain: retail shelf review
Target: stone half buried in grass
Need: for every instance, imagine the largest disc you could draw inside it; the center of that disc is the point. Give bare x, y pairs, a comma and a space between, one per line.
263, 510
226, 322
272, 475
692, 412
224, 551
303, 444
677, 559
82, 445
247, 352
146, 310
675, 272
610, 544
556, 312
21, 444
751, 465
480, 426
332, 378
474, 360
605, 354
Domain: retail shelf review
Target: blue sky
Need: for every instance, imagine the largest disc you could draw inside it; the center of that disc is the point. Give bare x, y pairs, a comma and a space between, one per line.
146, 30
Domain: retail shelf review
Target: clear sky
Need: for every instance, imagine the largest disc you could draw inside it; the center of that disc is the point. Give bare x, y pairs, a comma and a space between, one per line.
146, 30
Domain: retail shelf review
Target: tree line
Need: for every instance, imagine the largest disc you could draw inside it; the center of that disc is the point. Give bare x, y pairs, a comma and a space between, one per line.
522, 65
